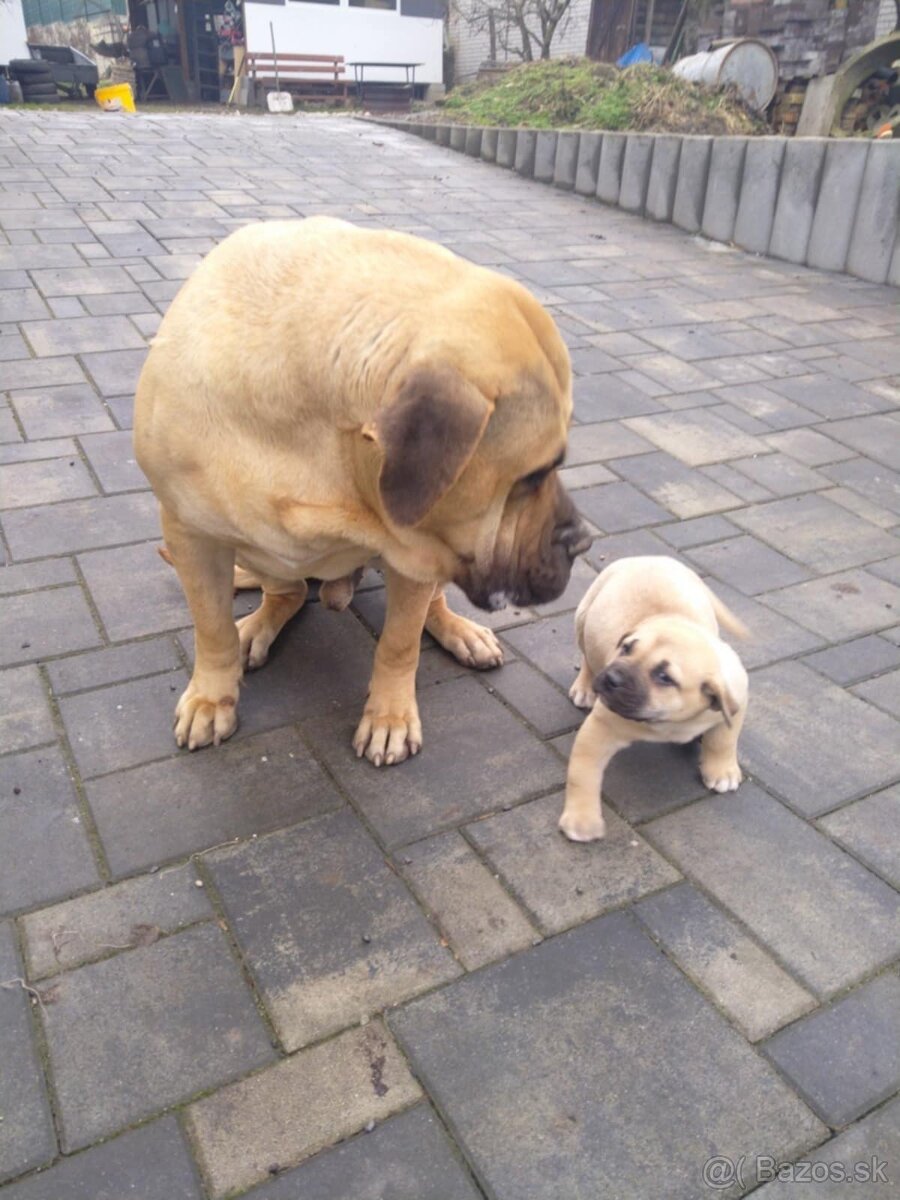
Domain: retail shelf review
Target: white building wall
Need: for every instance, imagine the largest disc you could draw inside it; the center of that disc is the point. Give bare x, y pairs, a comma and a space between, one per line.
472, 48
13, 42
360, 34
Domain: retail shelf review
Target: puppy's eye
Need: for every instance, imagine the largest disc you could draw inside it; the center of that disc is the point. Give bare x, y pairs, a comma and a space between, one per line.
662, 677
627, 648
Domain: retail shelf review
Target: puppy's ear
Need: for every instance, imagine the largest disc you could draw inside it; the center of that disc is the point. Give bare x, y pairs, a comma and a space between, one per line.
427, 434
720, 699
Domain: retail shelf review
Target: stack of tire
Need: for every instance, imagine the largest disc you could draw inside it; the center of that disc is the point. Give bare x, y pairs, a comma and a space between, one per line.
36, 78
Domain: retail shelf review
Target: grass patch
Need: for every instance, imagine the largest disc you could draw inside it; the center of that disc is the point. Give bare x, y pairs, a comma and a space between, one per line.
580, 94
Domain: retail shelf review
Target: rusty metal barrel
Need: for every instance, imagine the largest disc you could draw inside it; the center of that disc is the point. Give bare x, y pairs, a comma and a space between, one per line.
748, 65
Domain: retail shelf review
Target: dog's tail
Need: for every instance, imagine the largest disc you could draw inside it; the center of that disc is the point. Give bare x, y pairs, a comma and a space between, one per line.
726, 618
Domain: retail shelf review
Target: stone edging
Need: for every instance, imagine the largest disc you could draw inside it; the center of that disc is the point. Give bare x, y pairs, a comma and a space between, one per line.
821, 202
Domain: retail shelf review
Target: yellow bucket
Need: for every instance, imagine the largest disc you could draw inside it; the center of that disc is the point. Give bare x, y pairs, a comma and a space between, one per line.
115, 97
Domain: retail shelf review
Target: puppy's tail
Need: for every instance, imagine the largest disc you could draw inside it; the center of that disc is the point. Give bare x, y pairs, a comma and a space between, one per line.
726, 618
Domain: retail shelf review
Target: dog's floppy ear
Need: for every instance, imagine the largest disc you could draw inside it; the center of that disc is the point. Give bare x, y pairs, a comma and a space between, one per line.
720, 699
427, 434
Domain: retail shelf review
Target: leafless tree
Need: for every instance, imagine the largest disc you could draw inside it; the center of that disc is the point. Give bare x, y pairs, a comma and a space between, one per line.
524, 29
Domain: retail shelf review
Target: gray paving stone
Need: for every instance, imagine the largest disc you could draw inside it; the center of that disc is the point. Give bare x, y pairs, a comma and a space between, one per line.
696, 437
45, 851
854, 661
56, 623
550, 644
872, 1143
723, 187
813, 743
809, 446
539, 702
730, 967
875, 227
120, 917
648, 780
870, 829
198, 1028
609, 170
28, 1139
747, 565
25, 716
32, 576
883, 692
471, 908
24, 305
112, 459
603, 440
825, 917
30, 483
241, 1131
192, 802
504, 1087
22, 451
836, 204
114, 664
772, 636
81, 525
134, 591
798, 190
614, 507
150, 1163
698, 531
831, 398
875, 482
61, 412
124, 725
114, 372
684, 492
846, 1059
407, 1157
477, 757
759, 193
80, 335
690, 192
779, 474
873, 436
840, 606
816, 532
574, 882
330, 933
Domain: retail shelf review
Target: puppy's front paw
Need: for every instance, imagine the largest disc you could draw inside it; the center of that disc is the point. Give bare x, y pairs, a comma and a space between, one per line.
582, 697
200, 719
579, 827
386, 736
720, 776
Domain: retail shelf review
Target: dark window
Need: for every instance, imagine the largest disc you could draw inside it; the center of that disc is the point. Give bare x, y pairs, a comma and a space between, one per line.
391, 4
423, 8
335, 2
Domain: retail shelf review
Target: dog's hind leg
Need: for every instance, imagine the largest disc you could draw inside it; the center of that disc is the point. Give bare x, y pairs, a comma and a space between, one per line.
280, 601
243, 580
207, 710
472, 644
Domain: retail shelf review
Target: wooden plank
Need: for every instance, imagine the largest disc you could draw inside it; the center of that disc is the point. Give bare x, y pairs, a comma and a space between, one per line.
325, 58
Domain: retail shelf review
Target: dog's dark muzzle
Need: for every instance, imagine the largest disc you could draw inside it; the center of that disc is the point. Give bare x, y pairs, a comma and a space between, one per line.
622, 691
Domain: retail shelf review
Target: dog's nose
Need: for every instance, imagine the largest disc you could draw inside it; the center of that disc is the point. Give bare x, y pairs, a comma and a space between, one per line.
612, 678
574, 537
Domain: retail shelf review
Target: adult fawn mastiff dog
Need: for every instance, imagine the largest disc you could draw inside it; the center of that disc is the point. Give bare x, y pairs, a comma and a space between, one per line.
319, 395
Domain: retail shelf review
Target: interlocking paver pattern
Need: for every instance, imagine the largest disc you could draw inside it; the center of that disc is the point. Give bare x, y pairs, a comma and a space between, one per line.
240, 958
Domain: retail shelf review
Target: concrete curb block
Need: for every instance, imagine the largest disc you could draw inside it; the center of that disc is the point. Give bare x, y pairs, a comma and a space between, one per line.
566, 162
526, 145
723, 188
831, 204
609, 173
872, 244
589, 147
690, 192
489, 144
801, 172
759, 194
832, 227
663, 177
636, 171
506, 148
545, 155
474, 134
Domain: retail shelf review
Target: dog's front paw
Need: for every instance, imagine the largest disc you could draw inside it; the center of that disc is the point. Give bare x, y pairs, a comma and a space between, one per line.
200, 719
582, 697
388, 736
720, 776
582, 827
471, 644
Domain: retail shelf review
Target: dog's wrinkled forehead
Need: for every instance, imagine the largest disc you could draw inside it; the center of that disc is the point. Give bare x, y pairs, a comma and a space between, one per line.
532, 413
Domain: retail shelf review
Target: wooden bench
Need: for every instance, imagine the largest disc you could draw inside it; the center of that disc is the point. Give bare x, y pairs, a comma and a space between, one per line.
309, 75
